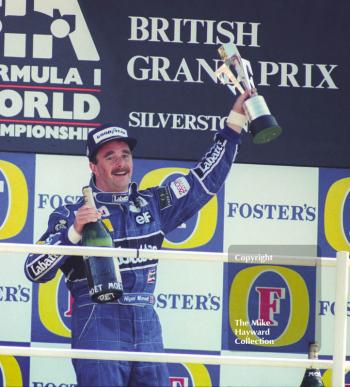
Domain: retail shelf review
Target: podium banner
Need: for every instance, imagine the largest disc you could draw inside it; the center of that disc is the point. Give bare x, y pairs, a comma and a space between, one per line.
67, 67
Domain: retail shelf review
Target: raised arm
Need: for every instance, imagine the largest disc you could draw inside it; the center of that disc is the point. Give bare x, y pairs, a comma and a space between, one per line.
188, 194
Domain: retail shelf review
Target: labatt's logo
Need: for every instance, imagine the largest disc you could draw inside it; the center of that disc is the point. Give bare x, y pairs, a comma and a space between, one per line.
13, 199
334, 215
62, 18
205, 227
270, 303
50, 311
189, 375
10, 372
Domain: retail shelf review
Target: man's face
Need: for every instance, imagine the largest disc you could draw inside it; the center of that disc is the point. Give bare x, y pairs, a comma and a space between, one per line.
113, 169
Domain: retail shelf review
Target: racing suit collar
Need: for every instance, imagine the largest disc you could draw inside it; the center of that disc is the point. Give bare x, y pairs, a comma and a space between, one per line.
115, 197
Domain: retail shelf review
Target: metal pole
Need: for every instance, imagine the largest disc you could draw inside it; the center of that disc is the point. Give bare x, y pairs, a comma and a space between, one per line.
340, 318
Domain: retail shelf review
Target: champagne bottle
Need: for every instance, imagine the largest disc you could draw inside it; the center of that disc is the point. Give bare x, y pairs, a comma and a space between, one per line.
312, 376
103, 275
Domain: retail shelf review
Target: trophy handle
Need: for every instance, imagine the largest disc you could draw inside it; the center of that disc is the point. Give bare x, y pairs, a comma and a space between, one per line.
241, 69
223, 73
230, 55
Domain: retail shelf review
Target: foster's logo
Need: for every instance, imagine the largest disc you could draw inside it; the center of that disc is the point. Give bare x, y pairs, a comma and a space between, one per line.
336, 208
14, 200
52, 310
14, 371
192, 375
268, 307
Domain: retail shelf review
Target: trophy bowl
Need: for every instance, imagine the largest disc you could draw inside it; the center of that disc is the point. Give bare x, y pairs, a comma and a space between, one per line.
262, 124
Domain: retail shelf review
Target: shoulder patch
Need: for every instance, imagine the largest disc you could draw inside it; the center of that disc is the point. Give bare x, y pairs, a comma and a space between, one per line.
180, 187
164, 195
61, 224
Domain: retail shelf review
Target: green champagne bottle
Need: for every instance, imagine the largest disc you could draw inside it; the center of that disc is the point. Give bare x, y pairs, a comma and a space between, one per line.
312, 376
103, 275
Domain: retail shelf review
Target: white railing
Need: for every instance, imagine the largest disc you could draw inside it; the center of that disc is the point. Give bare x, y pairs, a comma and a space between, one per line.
338, 364
177, 255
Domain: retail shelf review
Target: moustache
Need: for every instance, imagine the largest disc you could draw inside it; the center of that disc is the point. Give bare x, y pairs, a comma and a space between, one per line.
117, 171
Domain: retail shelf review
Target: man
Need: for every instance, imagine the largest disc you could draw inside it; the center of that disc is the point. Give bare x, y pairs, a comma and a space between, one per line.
124, 325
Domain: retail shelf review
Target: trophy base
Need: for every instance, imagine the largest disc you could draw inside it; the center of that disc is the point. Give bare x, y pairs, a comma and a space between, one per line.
264, 129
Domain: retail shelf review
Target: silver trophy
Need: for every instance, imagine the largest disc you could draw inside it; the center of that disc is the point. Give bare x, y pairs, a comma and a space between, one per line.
236, 73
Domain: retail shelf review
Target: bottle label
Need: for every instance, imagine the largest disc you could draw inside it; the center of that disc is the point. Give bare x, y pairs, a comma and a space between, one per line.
106, 297
105, 288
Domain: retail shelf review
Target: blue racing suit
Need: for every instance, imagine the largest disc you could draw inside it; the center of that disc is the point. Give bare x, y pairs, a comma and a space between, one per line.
139, 220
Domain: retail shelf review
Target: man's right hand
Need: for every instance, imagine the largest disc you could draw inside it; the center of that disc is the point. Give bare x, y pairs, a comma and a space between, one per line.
85, 215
